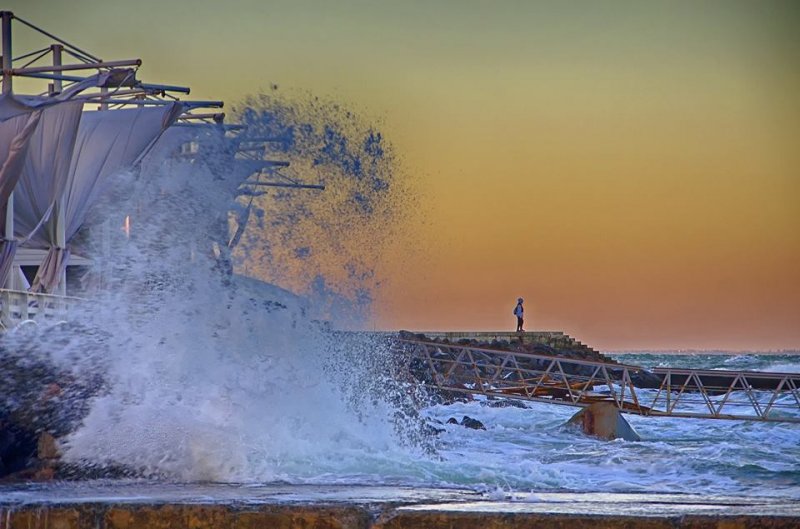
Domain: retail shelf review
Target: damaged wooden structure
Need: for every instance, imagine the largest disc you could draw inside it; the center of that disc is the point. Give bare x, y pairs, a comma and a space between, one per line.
70, 123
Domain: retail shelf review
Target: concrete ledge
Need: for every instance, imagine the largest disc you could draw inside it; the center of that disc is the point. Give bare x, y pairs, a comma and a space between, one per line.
187, 517
362, 517
156, 506
434, 520
493, 335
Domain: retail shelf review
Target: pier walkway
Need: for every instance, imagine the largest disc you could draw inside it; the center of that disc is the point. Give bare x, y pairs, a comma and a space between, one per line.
550, 378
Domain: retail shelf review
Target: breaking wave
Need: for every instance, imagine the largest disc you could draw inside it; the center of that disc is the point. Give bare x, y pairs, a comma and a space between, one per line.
220, 360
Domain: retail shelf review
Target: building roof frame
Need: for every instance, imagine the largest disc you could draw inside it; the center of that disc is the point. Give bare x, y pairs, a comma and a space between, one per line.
119, 88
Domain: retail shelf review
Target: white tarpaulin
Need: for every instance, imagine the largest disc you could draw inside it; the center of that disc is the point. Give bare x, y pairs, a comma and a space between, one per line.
49, 274
45, 173
108, 142
42, 182
15, 136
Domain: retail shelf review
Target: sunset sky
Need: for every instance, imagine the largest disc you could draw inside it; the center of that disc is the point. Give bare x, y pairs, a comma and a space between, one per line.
632, 169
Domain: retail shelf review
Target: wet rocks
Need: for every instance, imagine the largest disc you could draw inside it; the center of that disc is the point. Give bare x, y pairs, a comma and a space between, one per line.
475, 424
47, 447
43, 399
17, 446
24, 457
467, 422
646, 379
506, 403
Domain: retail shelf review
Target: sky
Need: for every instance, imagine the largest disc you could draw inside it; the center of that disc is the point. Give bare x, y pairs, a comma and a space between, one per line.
632, 169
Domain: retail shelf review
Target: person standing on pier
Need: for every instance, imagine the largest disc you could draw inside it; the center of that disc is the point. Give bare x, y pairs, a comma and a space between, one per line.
518, 312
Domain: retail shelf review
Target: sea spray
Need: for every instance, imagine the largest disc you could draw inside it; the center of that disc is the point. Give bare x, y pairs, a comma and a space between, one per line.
214, 376
326, 245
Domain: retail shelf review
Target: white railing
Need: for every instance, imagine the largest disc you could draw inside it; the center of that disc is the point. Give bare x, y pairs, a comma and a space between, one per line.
18, 306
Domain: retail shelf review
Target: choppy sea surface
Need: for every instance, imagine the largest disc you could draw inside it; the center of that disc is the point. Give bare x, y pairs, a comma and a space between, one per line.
751, 361
529, 449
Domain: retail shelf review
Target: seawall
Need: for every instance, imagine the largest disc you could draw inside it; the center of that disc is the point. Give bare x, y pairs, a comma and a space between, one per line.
154, 506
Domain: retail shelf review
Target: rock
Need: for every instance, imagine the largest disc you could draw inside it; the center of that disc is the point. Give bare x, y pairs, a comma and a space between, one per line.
17, 448
506, 403
39, 395
450, 397
646, 379
431, 430
44, 473
469, 422
594, 512
47, 447
603, 420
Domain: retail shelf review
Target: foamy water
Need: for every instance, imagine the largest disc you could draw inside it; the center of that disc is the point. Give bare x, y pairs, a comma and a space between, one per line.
530, 450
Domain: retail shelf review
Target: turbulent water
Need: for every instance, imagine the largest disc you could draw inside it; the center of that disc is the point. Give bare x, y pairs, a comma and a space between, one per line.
747, 361
210, 376
522, 449
529, 449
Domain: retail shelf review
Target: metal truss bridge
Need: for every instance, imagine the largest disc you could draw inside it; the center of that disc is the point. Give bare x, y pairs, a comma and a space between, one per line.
689, 393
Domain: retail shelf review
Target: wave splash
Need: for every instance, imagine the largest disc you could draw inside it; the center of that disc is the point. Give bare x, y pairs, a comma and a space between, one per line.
214, 376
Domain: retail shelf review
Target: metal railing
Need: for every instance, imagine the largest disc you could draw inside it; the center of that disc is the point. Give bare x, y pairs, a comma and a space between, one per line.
706, 394
17, 306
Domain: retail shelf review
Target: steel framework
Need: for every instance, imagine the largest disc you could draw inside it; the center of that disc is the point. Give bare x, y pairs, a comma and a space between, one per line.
74, 73
688, 393
63, 65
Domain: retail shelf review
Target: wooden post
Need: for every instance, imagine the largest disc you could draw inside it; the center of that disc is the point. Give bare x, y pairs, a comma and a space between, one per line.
58, 84
6, 17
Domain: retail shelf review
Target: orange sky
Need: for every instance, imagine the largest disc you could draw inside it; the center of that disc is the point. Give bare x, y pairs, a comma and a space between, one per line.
630, 168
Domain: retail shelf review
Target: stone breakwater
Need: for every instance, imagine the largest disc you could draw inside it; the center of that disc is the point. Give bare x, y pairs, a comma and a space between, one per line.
288, 507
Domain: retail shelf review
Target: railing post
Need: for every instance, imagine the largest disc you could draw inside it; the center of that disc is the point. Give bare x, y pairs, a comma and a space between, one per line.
5, 310
24, 312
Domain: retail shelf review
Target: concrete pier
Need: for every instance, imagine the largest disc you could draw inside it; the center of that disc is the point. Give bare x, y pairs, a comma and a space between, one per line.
555, 339
167, 506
